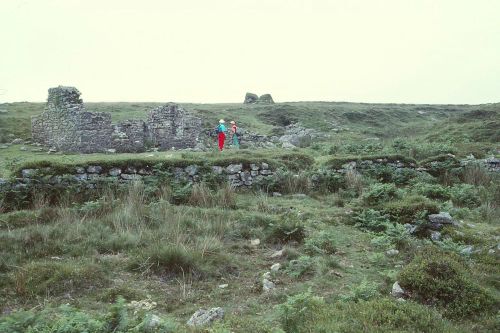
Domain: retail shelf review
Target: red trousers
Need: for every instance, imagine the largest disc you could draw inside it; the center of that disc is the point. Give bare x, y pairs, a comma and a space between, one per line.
222, 138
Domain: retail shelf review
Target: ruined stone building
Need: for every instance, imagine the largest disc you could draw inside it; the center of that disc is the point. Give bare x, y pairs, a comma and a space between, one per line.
66, 126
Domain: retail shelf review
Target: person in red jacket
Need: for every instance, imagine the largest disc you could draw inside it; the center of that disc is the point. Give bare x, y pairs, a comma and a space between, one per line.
221, 134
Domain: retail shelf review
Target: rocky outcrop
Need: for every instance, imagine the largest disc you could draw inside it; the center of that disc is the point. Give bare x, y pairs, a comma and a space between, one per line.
66, 126
265, 99
251, 98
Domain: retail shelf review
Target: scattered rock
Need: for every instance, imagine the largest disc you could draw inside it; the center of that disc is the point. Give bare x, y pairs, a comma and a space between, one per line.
205, 317
255, 242
4, 147
397, 291
23, 148
277, 194
437, 220
223, 286
392, 252
277, 254
111, 151
411, 228
17, 141
467, 250
267, 285
435, 236
154, 321
276, 267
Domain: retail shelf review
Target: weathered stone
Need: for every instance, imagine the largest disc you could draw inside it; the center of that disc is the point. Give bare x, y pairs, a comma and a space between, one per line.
115, 172
392, 252
264, 166
234, 168
254, 173
254, 167
410, 228
250, 98
266, 172
205, 317
438, 220
255, 242
236, 176
81, 176
217, 169
467, 250
267, 285
130, 169
397, 291
277, 194
17, 141
435, 235
265, 99
275, 267
94, 169
246, 176
80, 170
191, 170
23, 148
28, 173
277, 254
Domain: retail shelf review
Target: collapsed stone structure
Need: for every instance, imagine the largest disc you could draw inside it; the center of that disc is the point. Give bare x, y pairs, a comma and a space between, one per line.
66, 126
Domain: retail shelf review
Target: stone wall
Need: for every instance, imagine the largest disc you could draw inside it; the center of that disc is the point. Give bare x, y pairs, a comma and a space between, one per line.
239, 175
170, 126
66, 126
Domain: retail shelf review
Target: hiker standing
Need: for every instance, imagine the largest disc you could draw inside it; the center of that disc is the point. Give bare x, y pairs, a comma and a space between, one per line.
234, 135
221, 133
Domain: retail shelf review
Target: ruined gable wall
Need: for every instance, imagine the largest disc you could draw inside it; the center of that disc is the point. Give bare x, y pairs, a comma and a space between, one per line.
66, 126
170, 126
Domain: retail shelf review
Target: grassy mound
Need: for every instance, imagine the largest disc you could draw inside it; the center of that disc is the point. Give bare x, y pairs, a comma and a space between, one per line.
437, 278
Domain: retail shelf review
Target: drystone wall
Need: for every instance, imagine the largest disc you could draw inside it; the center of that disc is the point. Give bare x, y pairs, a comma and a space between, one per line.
66, 126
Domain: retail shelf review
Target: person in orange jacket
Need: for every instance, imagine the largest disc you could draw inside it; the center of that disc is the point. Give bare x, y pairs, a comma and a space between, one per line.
234, 135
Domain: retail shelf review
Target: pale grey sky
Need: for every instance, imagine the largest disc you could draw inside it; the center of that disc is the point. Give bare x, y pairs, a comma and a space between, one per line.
427, 51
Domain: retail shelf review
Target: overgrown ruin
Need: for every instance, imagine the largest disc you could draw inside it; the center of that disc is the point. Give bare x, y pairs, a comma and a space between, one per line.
66, 126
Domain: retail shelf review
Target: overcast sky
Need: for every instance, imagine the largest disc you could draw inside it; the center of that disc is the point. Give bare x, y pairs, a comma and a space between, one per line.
427, 51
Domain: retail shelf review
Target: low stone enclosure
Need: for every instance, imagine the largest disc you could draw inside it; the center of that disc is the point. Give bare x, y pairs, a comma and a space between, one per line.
66, 126
248, 173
